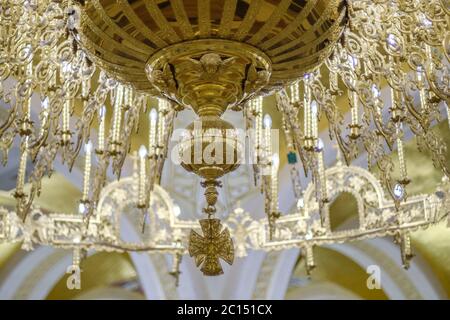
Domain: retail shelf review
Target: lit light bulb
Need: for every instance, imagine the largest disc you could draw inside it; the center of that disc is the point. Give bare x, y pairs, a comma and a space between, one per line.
142, 151
176, 210
314, 107
88, 147
82, 208
153, 114
275, 160
102, 112
267, 121
319, 146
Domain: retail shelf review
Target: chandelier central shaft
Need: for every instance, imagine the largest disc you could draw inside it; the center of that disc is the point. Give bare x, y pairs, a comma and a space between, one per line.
209, 76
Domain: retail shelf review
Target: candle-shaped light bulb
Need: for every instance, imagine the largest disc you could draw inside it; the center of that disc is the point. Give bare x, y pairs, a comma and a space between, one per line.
142, 176
161, 123
117, 117
275, 161
257, 111
314, 108
401, 159
355, 108
101, 129
401, 155
267, 135
152, 132
88, 147
29, 74
153, 114
65, 120
295, 94
307, 108
27, 103
274, 182
22, 167
87, 170
45, 110
129, 97
314, 119
267, 121
321, 169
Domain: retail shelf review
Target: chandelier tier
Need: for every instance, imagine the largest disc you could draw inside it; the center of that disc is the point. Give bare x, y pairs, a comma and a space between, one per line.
96, 64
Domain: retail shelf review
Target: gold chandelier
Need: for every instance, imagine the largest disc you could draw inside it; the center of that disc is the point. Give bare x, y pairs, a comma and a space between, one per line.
95, 64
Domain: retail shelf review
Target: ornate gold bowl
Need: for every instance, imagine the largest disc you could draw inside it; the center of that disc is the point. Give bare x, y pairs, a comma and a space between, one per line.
262, 44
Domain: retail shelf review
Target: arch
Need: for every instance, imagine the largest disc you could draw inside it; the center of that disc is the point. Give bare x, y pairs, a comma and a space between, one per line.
360, 183
416, 283
32, 275
243, 277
